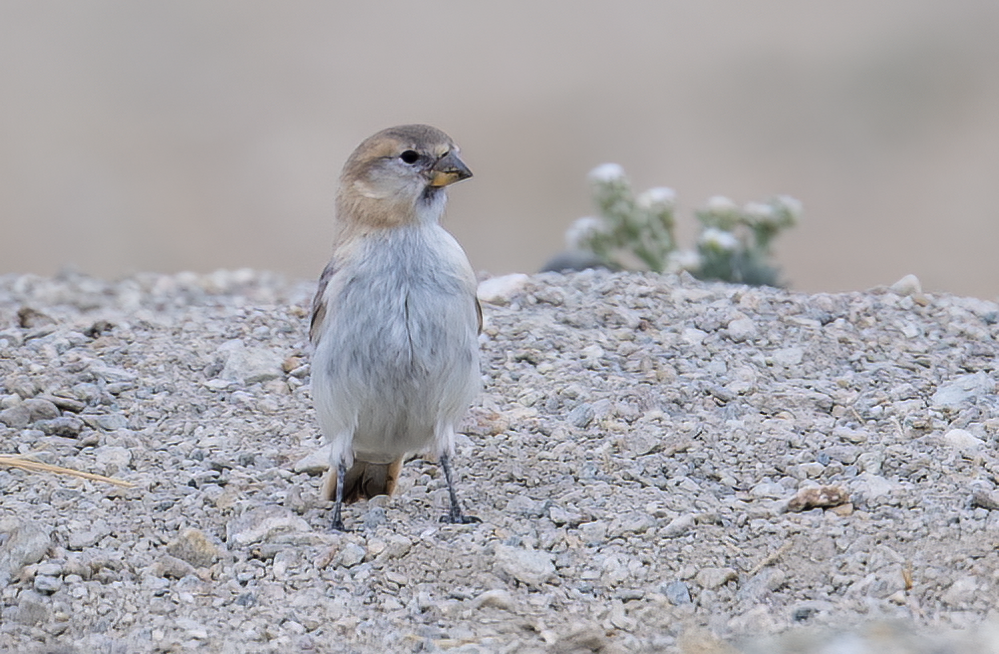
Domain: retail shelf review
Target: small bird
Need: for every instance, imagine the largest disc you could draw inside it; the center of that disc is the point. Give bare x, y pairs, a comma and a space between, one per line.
395, 319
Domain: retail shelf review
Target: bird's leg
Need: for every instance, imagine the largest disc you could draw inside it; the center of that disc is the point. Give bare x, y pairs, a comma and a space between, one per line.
454, 514
341, 474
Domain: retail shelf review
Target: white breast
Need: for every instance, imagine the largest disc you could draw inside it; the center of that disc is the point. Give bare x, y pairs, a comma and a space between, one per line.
397, 364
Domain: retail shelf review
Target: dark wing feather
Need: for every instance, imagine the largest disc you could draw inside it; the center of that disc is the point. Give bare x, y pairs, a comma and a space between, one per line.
319, 304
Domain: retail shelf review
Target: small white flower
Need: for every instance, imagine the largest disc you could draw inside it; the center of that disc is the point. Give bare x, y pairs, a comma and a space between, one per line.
758, 212
684, 260
608, 172
579, 234
657, 197
791, 205
720, 204
719, 239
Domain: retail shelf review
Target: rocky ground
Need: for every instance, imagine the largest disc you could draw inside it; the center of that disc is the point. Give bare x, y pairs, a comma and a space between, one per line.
659, 464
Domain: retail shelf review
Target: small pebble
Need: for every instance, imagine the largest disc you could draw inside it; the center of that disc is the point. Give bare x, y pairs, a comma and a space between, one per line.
677, 592
529, 567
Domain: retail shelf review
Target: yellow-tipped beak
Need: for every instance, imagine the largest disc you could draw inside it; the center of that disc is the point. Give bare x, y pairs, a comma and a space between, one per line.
448, 170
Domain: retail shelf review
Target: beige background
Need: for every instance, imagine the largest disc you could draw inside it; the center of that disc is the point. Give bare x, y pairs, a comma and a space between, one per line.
192, 135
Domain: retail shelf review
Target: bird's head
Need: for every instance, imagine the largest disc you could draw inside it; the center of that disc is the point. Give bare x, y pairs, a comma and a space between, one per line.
398, 176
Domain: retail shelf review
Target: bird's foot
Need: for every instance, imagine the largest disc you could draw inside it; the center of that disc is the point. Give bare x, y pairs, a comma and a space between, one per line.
456, 517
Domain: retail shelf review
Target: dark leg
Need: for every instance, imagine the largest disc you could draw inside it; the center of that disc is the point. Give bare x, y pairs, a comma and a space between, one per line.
341, 473
454, 515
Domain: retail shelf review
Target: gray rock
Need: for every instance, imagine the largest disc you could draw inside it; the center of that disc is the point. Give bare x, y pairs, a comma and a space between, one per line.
677, 592
32, 609
789, 356
374, 517
768, 489
500, 290
25, 542
316, 462
111, 374
83, 535
678, 526
581, 416
67, 426
351, 554
496, 598
16, 417
41, 409
262, 524
962, 592
47, 584
49, 568
172, 567
870, 462
985, 500
113, 459
23, 386
396, 547
855, 436
249, 364
195, 547
964, 441
630, 524
908, 285
110, 421
870, 486
755, 589
561, 516
962, 390
742, 329
529, 567
757, 620
523, 505
593, 533
804, 611
66, 403
714, 577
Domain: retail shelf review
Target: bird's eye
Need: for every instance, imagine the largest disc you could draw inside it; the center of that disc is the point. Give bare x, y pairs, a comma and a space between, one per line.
410, 156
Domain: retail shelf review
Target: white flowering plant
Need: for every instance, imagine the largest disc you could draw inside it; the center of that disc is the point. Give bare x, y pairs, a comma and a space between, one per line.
735, 243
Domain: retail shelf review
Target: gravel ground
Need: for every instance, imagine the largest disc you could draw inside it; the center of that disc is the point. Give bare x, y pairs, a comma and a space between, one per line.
659, 464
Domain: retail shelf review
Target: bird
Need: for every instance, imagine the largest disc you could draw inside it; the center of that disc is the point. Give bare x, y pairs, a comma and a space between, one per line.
395, 319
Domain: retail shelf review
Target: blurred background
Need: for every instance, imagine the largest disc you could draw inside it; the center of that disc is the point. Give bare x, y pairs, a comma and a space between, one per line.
193, 135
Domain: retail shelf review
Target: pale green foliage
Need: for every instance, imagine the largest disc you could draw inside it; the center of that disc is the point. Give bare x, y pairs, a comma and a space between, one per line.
734, 244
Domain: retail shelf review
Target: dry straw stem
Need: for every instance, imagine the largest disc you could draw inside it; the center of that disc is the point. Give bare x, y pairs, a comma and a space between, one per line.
36, 466
771, 558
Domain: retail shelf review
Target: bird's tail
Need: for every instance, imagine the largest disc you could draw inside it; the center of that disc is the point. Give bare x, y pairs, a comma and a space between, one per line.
364, 480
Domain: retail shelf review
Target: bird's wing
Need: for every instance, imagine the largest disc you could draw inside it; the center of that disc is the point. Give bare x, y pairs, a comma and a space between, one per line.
319, 303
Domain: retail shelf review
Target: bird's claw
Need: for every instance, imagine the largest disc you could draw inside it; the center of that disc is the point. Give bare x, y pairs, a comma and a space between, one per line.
459, 518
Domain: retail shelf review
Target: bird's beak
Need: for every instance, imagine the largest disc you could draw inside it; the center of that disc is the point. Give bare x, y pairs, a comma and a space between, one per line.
448, 170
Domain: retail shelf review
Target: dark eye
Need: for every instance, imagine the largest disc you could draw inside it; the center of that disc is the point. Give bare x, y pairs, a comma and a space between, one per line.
410, 156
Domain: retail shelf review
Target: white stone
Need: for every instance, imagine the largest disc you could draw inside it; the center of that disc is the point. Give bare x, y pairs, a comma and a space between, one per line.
963, 440
113, 459
262, 524
908, 285
788, 356
678, 526
529, 567
962, 390
249, 364
499, 290
741, 330
316, 462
